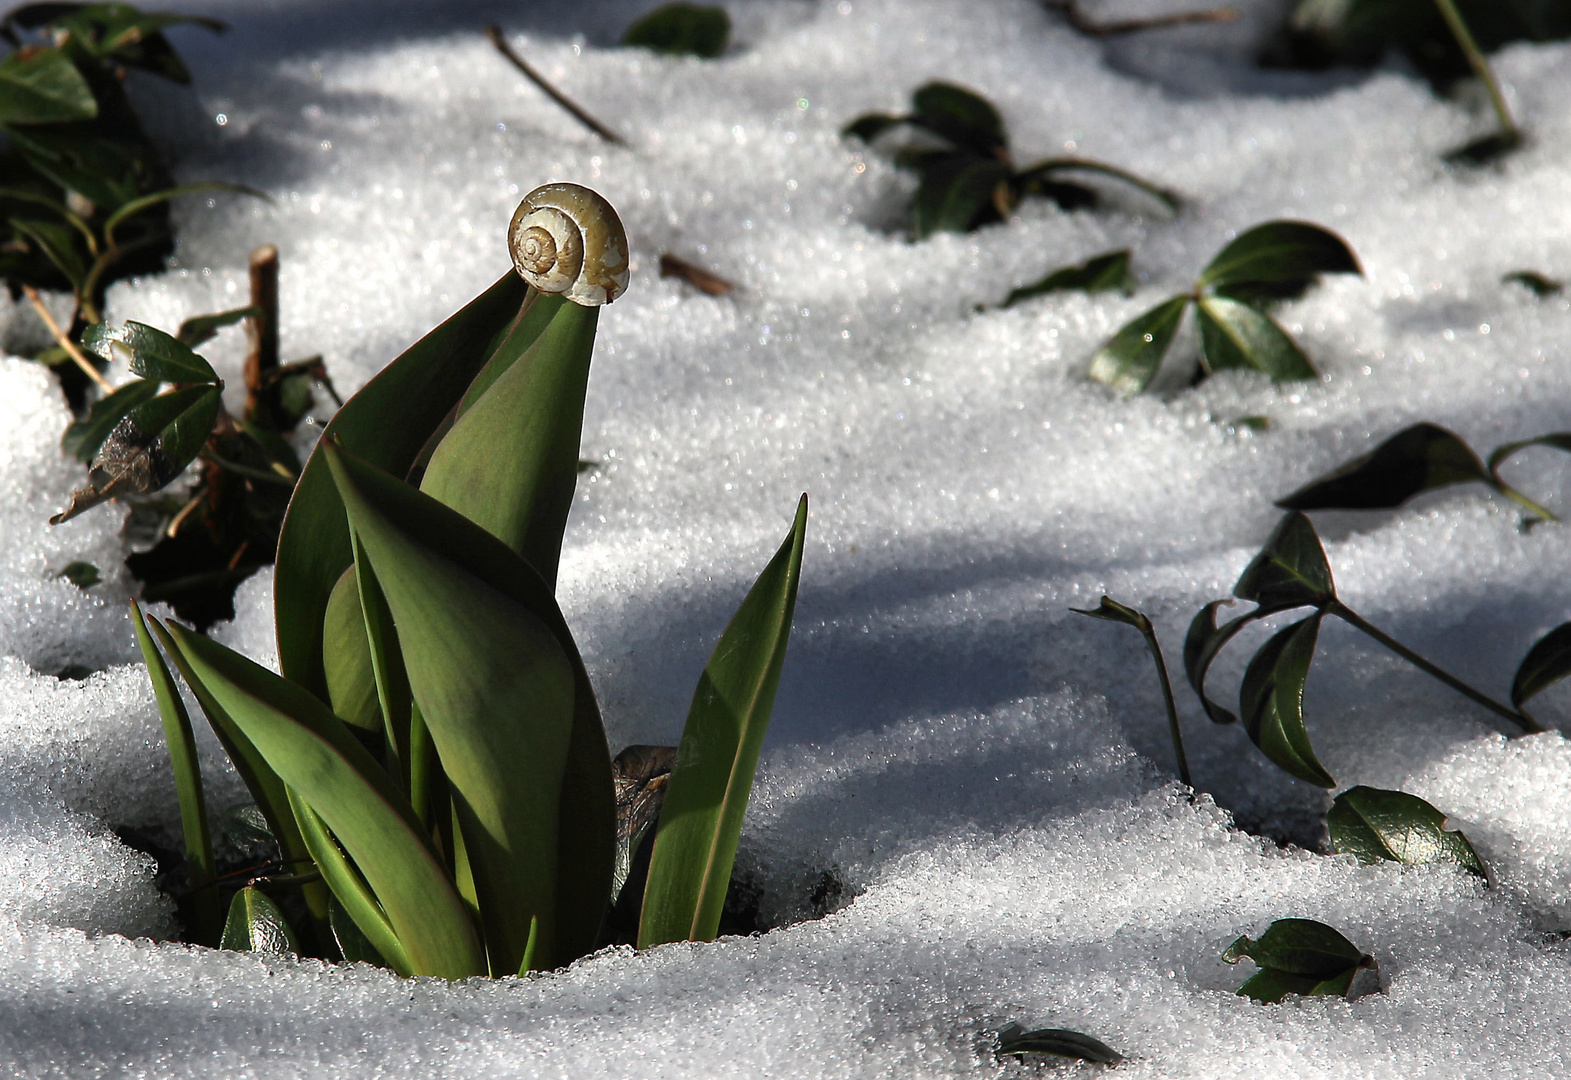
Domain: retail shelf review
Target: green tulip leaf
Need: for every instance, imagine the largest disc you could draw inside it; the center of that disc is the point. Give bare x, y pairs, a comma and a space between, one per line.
1378, 825
256, 924
706, 798
200, 329
83, 438
1131, 358
1055, 1042
1291, 569
1416, 459
1271, 700
352, 944
153, 353
682, 30
1546, 663
956, 193
1236, 335
1101, 273
42, 86
1279, 251
346, 658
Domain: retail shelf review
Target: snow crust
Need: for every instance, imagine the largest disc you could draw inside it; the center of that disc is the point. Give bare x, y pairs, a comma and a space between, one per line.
974, 782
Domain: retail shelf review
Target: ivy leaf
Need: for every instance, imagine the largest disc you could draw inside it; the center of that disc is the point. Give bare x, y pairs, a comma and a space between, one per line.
1299, 956
871, 126
150, 446
42, 86
1271, 700
956, 193
1270, 985
682, 30
83, 438
1536, 283
153, 353
1100, 273
84, 575
200, 329
965, 119
1279, 251
256, 924
1291, 569
1414, 460
1057, 1042
1129, 361
1235, 335
1546, 663
1205, 641
1393, 826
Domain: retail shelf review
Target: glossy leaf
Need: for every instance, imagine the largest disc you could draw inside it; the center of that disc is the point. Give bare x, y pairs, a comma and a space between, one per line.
256, 924
1279, 251
42, 86
706, 798
682, 30
1546, 663
510, 461
1056, 1042
1271, 700
153, 354
1101, 273
1131, 358
1236, 335
960, 116
1416, 459
1291, 569
1378, 825
83, 438
955, 192
200, 329
314, 753
1299, 947
1271, 985
387, 423
201, 870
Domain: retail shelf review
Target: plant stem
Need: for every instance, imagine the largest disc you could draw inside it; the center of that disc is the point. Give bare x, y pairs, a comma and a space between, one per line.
1523, 501
1480, 66
1167, 699
261, 397
1347, 615
73, 350
494, 33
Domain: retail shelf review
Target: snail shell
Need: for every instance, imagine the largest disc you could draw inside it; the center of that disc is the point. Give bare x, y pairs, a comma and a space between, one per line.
568, 239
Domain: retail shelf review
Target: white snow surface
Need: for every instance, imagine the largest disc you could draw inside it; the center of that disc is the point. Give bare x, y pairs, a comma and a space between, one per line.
986, 776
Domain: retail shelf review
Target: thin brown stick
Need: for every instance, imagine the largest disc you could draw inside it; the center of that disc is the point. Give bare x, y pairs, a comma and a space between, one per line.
262, 359
494, 33
71, 347
1077, 19
671, 266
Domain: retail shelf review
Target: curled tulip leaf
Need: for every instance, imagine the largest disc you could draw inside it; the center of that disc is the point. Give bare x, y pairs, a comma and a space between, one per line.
1393, 826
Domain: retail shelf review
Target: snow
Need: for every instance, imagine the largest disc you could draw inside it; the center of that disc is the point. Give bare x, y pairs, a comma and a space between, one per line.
977, 781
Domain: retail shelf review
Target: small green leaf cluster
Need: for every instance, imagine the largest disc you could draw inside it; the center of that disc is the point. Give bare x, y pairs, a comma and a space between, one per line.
1272, 261
83, 193
433, 752
682, 30
957, 145
1300, 956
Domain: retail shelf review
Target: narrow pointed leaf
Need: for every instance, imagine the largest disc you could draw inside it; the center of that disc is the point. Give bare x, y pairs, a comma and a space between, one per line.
510, 462
202, 875
387, 663
256, 924
153, 353
1280, 251
315, 755
1202, 644
1131, 357
350, 892
1416, 459
1546, 663
956, 193
1057, 1042
496, 691
387, 423
42, 86
1101, 273
1236, 335
1271, 700
1538, 284
706, 797
83, 438
682, 30
587, 818
1298, 947
1291, 570
1378, 825
200, 329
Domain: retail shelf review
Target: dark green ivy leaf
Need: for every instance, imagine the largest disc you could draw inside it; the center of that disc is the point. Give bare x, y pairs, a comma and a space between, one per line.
1271, 700
84, 575
40, 85
1270, 985
1299, 947
1536, 283
1129, 361
682, 30
1235, 335
256, 924
1291, 569
869, 127
1204, 642
956, 193
1100, 273
1546, 663
153, 353
1057, 1042
1279, 251
1416, 459
1393, 826
1113, 611
200, 329
956, 114
83, 438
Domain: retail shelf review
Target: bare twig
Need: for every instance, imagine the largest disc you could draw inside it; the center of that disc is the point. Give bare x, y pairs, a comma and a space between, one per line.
72, 349
1077, 19
262, 360
494, 33
696, 276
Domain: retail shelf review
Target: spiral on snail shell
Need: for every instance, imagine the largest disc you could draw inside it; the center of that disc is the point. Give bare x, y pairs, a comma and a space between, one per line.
568, 239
